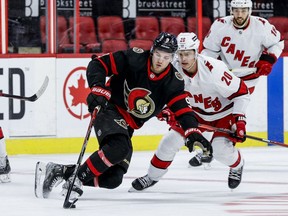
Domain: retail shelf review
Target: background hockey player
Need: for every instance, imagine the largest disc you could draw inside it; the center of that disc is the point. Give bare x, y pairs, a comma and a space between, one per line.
218, 98
243, 42
141, 84
4, 162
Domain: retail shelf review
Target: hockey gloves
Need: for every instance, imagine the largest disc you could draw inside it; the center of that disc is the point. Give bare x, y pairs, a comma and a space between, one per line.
98, 96
168, 116
239, 128
265, 64
194, 138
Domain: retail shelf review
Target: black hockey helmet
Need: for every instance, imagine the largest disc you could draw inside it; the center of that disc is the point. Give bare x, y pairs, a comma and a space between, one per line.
165, 42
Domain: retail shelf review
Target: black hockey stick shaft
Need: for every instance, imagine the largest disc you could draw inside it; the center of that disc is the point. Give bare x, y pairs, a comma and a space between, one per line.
67, 203
31, 98
223, 130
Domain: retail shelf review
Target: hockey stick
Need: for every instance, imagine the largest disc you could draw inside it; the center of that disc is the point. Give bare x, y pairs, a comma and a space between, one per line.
71, 203
244, 70
223, 130
31, 98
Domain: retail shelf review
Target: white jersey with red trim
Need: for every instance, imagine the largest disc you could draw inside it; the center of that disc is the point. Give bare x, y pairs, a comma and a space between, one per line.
242, 48
214, 91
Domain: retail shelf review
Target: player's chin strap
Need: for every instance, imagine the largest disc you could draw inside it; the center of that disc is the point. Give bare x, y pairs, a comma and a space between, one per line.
224, 130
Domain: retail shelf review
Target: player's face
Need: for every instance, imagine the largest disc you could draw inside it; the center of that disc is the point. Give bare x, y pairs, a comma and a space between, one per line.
187, 59
160, 61
240, 15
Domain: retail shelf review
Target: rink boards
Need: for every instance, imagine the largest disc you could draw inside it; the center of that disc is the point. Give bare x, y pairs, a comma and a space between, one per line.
58, 121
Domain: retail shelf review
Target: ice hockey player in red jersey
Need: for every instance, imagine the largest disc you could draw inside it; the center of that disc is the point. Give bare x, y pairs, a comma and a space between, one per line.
141, 83
218, 98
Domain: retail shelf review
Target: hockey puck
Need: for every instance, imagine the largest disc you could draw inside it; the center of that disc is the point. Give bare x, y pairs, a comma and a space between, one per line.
69, 205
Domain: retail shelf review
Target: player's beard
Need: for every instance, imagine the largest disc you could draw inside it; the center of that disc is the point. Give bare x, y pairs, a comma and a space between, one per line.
240, 22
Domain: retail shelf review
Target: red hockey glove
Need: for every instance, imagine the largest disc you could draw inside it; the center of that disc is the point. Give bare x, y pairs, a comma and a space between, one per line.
167, 115
98, 96
265, 64
194, 138
239, 128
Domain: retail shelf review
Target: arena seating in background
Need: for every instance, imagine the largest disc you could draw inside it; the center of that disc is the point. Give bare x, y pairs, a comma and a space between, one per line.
110, 27
192, 25
281, 24
141, 43
62, 31
172, 25
112, 45
109, 31
146, 28
87, 34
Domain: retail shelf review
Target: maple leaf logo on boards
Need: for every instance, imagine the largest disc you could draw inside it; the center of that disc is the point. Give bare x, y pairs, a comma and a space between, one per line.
75, 92
80, 93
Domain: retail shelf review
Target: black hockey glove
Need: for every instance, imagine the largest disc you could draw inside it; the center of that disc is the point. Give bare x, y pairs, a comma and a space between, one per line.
98, 96
194, 138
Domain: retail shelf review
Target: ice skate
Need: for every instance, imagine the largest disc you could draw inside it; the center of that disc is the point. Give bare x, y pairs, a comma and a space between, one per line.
142, 183
234, 178
53, 177
76, 190
200, 159
5, 170
196, 160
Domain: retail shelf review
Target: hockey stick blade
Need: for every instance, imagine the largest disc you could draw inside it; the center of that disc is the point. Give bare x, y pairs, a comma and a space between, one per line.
237, 70
223, 130
68, 203
31, 98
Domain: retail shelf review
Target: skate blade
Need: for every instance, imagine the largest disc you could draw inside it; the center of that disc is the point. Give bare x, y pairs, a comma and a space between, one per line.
207, 166
133, 190
39, 179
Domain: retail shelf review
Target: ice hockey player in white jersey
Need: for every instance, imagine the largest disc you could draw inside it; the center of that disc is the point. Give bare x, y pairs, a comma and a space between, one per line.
218, 98
243, 41
249, 45
4, 162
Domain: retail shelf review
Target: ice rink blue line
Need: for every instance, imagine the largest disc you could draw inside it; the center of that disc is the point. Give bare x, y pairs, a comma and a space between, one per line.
275, 102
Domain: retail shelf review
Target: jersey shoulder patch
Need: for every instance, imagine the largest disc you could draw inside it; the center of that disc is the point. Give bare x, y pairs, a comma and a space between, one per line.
178, 75
221, 20
138, 50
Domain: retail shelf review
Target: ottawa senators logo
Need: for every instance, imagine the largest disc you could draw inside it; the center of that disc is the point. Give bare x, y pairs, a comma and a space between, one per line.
138, 101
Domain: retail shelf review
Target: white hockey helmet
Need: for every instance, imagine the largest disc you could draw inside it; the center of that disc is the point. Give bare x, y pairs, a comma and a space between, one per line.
188, 41
241, 4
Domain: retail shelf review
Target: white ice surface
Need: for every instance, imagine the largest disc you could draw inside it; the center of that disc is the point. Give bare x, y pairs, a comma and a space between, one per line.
183, 191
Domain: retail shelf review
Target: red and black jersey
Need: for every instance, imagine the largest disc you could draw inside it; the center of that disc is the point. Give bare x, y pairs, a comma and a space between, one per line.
137, 92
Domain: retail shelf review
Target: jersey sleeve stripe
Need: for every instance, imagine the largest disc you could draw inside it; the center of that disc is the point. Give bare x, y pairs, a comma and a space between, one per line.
241, 91
113, 65
183, 111
104, 65
178, 98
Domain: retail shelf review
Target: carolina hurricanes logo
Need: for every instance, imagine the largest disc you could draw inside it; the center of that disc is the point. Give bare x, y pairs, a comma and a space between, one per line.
138, 101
